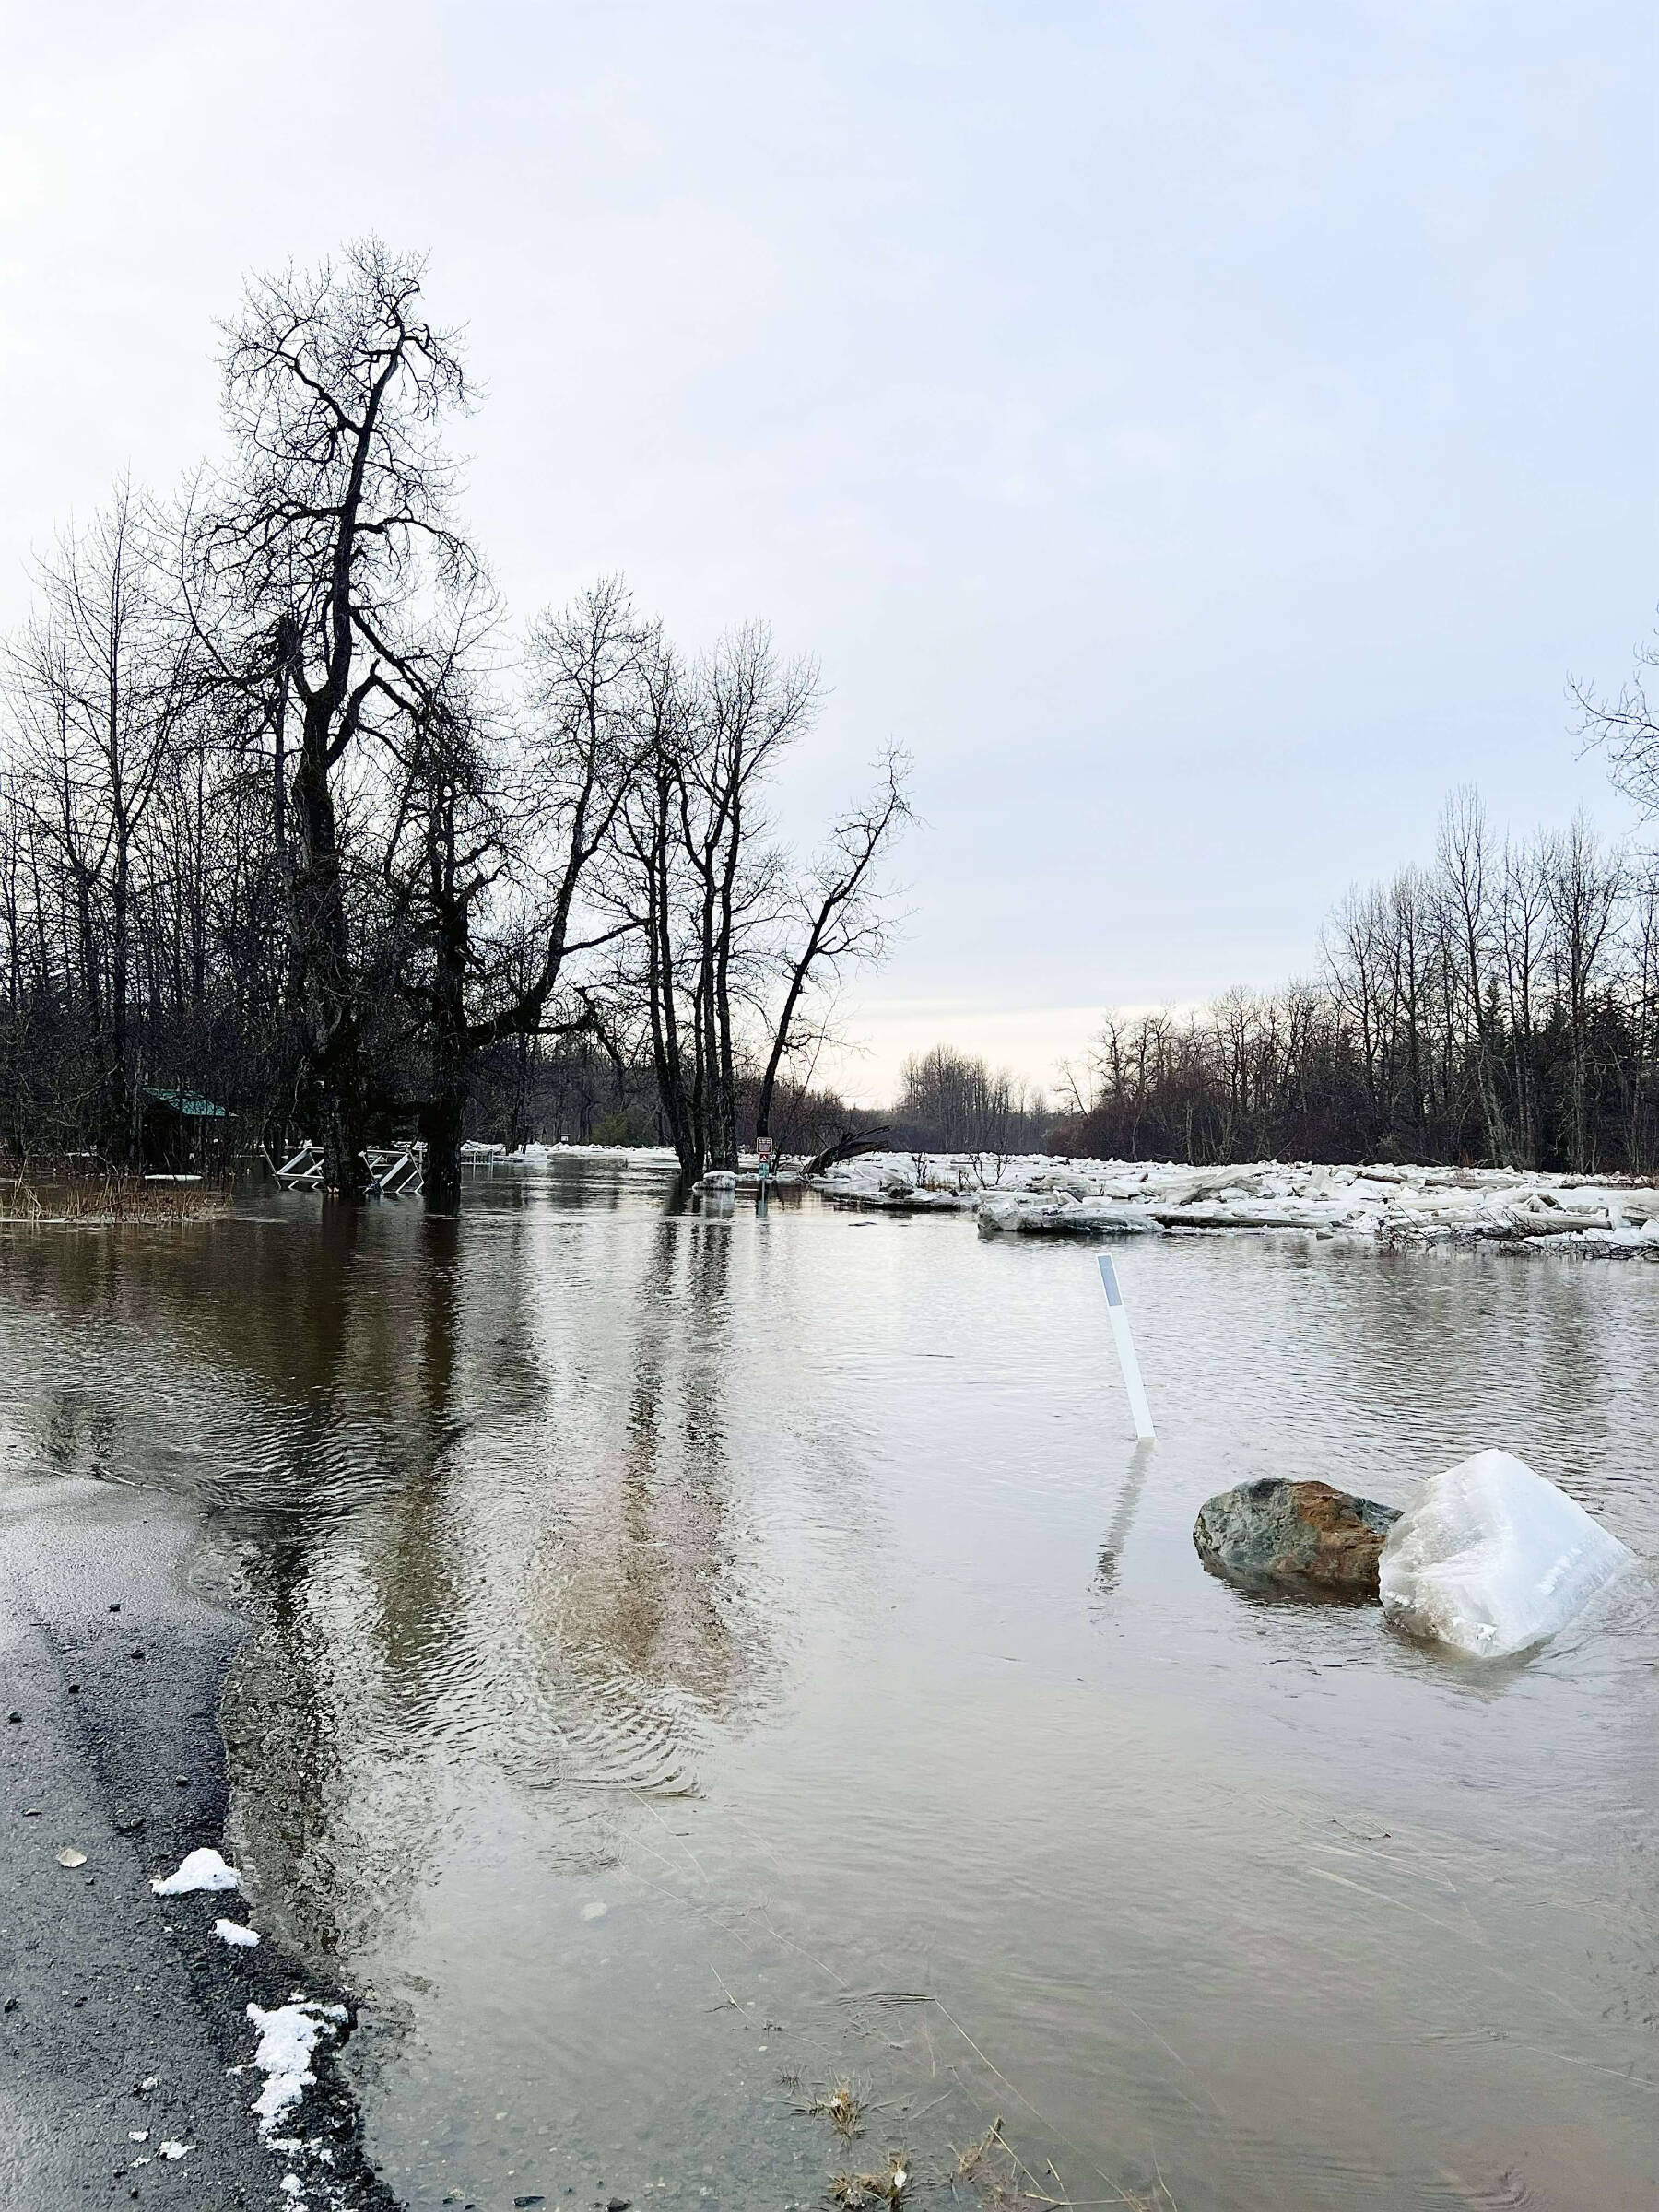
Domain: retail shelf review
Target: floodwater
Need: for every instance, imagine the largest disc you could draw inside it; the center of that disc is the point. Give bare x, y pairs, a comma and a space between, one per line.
710, 1658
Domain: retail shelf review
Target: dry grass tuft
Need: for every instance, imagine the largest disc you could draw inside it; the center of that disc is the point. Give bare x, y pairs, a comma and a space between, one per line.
991, 2165
970, 2161
843, 2107
856, 2190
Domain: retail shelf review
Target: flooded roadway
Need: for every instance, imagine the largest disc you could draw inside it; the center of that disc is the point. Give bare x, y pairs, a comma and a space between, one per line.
704, 1659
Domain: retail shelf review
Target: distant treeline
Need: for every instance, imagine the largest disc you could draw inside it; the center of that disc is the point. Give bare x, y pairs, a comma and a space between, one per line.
1500, 1007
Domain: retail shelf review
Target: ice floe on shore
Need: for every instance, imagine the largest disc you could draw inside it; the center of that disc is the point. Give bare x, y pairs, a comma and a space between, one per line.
1042, 1196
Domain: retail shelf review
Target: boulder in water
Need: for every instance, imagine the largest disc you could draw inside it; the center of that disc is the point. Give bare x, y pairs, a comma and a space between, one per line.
1306, 1536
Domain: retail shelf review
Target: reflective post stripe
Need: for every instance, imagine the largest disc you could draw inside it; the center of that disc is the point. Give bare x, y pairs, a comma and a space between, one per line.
1139, 1410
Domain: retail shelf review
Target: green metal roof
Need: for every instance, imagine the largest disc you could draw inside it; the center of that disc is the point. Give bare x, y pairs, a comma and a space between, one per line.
190, 1103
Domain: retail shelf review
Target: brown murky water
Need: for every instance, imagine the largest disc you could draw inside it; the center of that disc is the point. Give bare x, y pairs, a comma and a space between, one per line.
710, 1657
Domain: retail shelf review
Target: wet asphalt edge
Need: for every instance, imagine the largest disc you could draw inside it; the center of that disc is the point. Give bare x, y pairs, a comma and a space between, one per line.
117, 1666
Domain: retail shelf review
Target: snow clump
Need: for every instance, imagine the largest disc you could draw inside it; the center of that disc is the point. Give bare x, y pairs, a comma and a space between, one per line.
201, 1870
289, 2034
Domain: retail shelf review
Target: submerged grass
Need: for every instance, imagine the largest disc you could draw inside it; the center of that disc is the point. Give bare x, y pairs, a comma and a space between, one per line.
885, 2186
843, 2107
42, 1193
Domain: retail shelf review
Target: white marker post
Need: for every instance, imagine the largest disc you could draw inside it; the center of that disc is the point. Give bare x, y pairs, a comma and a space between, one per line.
1138, 1407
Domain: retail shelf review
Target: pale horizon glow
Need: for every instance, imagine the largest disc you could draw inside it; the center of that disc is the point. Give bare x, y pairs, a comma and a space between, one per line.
1031, 1041
1202, 436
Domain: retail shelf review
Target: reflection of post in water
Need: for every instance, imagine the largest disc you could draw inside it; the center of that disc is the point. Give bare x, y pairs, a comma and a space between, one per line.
1122, 1520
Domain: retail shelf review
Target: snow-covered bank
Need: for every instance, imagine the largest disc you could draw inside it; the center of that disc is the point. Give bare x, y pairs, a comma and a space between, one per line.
1043, 1197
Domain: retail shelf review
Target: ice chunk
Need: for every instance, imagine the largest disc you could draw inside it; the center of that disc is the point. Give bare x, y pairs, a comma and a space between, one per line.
232, 1932
1492, 1558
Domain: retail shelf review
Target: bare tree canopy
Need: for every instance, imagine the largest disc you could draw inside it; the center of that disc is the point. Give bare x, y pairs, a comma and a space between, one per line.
299, 838
1626, 726
275, 771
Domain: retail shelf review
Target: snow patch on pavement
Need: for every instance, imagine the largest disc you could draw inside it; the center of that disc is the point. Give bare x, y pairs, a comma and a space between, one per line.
289, 2035
202, 1870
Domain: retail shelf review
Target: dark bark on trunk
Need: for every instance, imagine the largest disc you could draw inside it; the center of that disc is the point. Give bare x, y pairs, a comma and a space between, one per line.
442, 1125
444, 1120
117, 1105
326, 985
723, 1135
517, 1134
665, 1044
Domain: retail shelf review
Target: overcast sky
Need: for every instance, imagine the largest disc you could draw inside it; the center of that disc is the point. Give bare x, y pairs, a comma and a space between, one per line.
1202, 434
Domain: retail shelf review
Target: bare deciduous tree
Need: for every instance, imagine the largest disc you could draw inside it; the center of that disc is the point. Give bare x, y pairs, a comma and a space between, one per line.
324, 551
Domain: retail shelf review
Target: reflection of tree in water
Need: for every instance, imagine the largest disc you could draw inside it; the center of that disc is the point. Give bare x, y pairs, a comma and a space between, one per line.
240, 1361
334, 1660
78, 1429
482, 1475
553, 1592
638, 1582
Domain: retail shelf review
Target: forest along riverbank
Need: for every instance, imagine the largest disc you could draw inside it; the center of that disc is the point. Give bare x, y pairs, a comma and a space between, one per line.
125, 2044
